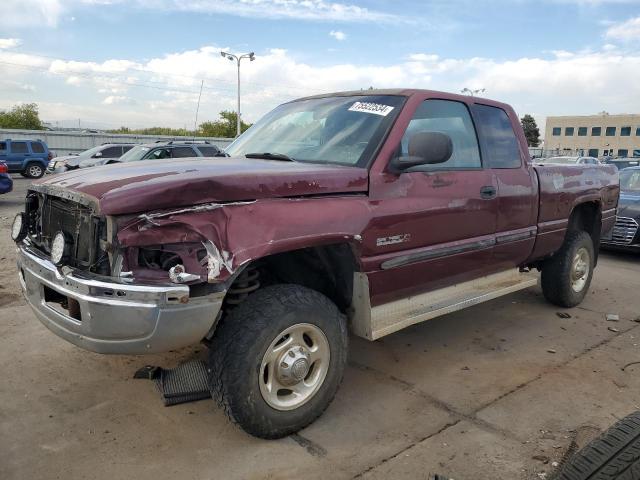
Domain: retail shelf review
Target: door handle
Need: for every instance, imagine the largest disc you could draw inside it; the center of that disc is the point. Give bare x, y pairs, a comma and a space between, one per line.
488, 192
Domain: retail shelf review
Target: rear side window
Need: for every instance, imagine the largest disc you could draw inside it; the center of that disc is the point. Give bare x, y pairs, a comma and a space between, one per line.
182, 152
19, 147
36, 147
452, 118
208, 151
499, 142
3, 145
112, 152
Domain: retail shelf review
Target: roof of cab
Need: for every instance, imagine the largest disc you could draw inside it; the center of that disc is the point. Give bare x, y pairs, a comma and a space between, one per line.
407, 92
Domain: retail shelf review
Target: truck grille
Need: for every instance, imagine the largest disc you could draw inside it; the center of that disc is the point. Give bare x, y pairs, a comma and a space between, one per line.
624, 230
49, 215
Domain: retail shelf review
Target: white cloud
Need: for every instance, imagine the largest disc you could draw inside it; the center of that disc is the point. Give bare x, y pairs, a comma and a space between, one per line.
23, 13
10, 43
118, 99
319, 10
30, 13
166, 88
338, 35
625, 31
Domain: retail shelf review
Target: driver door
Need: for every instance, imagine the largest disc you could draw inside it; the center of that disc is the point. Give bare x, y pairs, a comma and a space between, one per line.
434, 225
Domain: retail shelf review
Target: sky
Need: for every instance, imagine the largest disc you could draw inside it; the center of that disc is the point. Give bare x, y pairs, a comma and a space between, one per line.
141, 63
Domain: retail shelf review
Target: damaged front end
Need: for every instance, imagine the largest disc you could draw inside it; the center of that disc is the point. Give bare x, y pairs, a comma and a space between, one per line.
112, 298
173, 246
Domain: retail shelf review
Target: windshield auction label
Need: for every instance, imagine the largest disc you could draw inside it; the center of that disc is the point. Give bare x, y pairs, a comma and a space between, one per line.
375, 108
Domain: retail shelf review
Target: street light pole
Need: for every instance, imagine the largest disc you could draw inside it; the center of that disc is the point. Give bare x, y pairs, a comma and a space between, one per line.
237, 58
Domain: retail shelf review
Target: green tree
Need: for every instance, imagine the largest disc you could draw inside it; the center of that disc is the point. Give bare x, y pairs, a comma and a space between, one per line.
225, 126
531, 130
21, 116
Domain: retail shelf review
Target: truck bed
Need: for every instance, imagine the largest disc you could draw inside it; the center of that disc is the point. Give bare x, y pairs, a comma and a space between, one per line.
561, 189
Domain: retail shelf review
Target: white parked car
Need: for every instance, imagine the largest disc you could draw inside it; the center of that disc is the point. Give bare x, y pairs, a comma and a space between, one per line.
566, 160
89, 158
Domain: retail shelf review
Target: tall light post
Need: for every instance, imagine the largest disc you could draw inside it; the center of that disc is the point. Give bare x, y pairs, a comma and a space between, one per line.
251, 56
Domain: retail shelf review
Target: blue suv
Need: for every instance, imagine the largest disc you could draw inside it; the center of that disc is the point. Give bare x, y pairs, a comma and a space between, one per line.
27, 157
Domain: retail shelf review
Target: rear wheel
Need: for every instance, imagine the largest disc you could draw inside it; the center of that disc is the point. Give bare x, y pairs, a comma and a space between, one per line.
277, 360
567, 275
33, 170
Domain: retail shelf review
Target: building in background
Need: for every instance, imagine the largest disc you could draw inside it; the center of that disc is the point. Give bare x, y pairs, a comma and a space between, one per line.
594, 135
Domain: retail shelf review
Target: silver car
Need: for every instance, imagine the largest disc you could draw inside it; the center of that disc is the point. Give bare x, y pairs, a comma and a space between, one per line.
89, 158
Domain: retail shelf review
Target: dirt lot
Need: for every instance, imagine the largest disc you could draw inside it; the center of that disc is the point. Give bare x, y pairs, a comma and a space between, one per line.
478, 394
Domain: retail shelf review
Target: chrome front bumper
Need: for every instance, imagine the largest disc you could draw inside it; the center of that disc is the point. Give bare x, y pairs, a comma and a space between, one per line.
114, 316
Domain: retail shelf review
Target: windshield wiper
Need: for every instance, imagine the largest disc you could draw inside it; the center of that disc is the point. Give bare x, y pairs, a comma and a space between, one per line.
270, 156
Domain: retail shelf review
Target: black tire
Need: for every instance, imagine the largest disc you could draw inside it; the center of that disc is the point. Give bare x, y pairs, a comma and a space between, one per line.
613, 455
239, 345
556, 276
33, 170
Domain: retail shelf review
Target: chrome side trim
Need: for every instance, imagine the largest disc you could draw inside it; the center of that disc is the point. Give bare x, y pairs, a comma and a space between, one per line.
376, 322
434, 252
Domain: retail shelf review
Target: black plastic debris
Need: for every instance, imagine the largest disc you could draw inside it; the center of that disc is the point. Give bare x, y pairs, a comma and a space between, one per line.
185, 383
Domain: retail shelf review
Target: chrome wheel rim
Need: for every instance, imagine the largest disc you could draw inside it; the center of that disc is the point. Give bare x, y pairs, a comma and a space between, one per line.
294, 366
580, 269
34, 171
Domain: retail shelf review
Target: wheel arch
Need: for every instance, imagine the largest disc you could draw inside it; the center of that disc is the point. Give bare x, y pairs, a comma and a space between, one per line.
587, 216
327, 268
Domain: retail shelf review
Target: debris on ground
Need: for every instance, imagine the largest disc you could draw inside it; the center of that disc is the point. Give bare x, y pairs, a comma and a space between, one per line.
563, 314
613, 329
629, 364
541, 458
612, 317
551, 350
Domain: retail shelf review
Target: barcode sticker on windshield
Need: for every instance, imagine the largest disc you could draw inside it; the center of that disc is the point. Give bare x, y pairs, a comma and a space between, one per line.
375, 108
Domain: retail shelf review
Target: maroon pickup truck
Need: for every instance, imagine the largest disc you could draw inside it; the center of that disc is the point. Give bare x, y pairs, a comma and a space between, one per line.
368, 211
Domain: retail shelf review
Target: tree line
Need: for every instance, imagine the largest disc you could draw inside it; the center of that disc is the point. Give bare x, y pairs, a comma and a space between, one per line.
27, 117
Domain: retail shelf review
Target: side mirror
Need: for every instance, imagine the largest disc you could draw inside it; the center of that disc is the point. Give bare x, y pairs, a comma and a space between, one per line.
97, 155
425, 148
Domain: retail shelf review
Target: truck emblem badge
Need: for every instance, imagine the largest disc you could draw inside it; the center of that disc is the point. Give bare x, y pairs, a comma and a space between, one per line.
392, 240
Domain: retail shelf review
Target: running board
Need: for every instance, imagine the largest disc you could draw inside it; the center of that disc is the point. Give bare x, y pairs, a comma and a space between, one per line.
376, 322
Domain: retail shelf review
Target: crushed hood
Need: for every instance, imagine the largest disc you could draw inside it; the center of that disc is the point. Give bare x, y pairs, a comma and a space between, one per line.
159, 184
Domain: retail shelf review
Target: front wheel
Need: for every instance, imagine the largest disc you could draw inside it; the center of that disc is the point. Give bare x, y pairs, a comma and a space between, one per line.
277, 360
567, 275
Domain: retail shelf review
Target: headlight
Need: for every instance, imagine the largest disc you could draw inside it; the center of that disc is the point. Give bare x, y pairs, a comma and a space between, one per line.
60, 248
19, 227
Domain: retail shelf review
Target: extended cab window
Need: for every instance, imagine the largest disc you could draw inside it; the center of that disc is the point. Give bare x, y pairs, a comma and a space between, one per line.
452, 118
499, 142
36, 147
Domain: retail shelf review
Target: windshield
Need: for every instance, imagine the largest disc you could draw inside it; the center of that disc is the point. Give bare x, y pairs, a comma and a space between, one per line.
92, 151
136, 153
343, 130
630, 181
